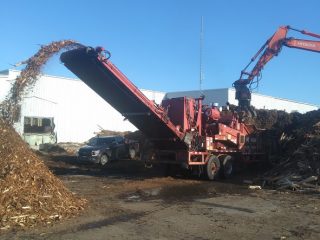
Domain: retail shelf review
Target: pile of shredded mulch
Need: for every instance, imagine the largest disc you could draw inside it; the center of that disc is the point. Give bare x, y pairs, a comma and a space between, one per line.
9, 109
29, 193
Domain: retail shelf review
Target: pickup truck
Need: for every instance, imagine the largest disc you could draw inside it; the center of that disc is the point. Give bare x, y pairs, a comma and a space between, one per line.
103, 149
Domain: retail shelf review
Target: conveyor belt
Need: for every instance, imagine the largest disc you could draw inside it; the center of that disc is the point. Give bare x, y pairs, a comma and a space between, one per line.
107, 81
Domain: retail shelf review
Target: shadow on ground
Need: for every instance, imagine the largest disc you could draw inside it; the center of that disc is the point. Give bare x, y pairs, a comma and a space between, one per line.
70, 165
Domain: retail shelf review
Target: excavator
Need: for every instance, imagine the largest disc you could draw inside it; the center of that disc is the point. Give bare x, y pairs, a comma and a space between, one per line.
271, 48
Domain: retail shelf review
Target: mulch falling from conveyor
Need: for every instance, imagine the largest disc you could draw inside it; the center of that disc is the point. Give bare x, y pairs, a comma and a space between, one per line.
9, 108
29, 193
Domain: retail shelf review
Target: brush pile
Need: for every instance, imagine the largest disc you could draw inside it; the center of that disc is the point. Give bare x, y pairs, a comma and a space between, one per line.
274, 119
29, 193
299, 160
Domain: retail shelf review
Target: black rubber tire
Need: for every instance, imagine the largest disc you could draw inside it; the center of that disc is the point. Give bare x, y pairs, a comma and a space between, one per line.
104, 160
227, 168
213, 168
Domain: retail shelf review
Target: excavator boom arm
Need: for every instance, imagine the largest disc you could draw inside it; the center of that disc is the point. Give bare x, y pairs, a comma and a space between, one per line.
270, 49
309, 45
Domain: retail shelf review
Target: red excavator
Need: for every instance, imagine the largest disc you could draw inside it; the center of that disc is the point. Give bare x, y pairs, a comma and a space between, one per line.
271, 48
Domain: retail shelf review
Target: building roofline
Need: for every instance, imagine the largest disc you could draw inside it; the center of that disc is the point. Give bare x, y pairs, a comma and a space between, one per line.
4, 72
211, 89
149, 90
284, 99
7, 71
254, 93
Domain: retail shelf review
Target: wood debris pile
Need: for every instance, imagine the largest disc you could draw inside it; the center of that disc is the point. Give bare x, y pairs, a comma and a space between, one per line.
135, 136
106, 132
70, 148
299, 165
29, 193
28, 77
273, 119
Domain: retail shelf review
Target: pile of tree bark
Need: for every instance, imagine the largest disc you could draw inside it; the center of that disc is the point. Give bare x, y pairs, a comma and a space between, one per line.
29, 193
298, 166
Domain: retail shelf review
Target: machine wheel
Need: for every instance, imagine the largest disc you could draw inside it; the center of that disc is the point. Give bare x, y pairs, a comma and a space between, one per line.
227, 166
104, 159
213, 168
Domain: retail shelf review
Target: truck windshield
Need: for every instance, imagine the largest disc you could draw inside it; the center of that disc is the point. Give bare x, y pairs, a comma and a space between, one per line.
100, 141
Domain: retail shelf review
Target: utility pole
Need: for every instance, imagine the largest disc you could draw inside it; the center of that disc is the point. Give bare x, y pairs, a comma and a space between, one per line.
201, 55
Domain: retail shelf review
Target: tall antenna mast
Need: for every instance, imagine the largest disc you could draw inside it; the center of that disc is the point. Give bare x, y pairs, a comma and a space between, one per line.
201, 55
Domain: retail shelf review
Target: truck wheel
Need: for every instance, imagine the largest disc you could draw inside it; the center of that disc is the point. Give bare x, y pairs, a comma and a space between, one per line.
104, 159
213, 168
227, 166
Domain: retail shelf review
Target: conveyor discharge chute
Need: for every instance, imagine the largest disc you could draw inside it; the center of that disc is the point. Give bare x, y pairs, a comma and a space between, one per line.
114, 87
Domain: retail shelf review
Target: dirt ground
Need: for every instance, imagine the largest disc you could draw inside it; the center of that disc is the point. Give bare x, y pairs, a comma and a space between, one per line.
128, 201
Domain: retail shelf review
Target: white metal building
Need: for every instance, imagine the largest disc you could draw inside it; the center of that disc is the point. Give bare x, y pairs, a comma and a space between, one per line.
78, 112
224, 95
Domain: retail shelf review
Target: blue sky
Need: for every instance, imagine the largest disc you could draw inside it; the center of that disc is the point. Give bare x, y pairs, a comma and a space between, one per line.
156, 43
